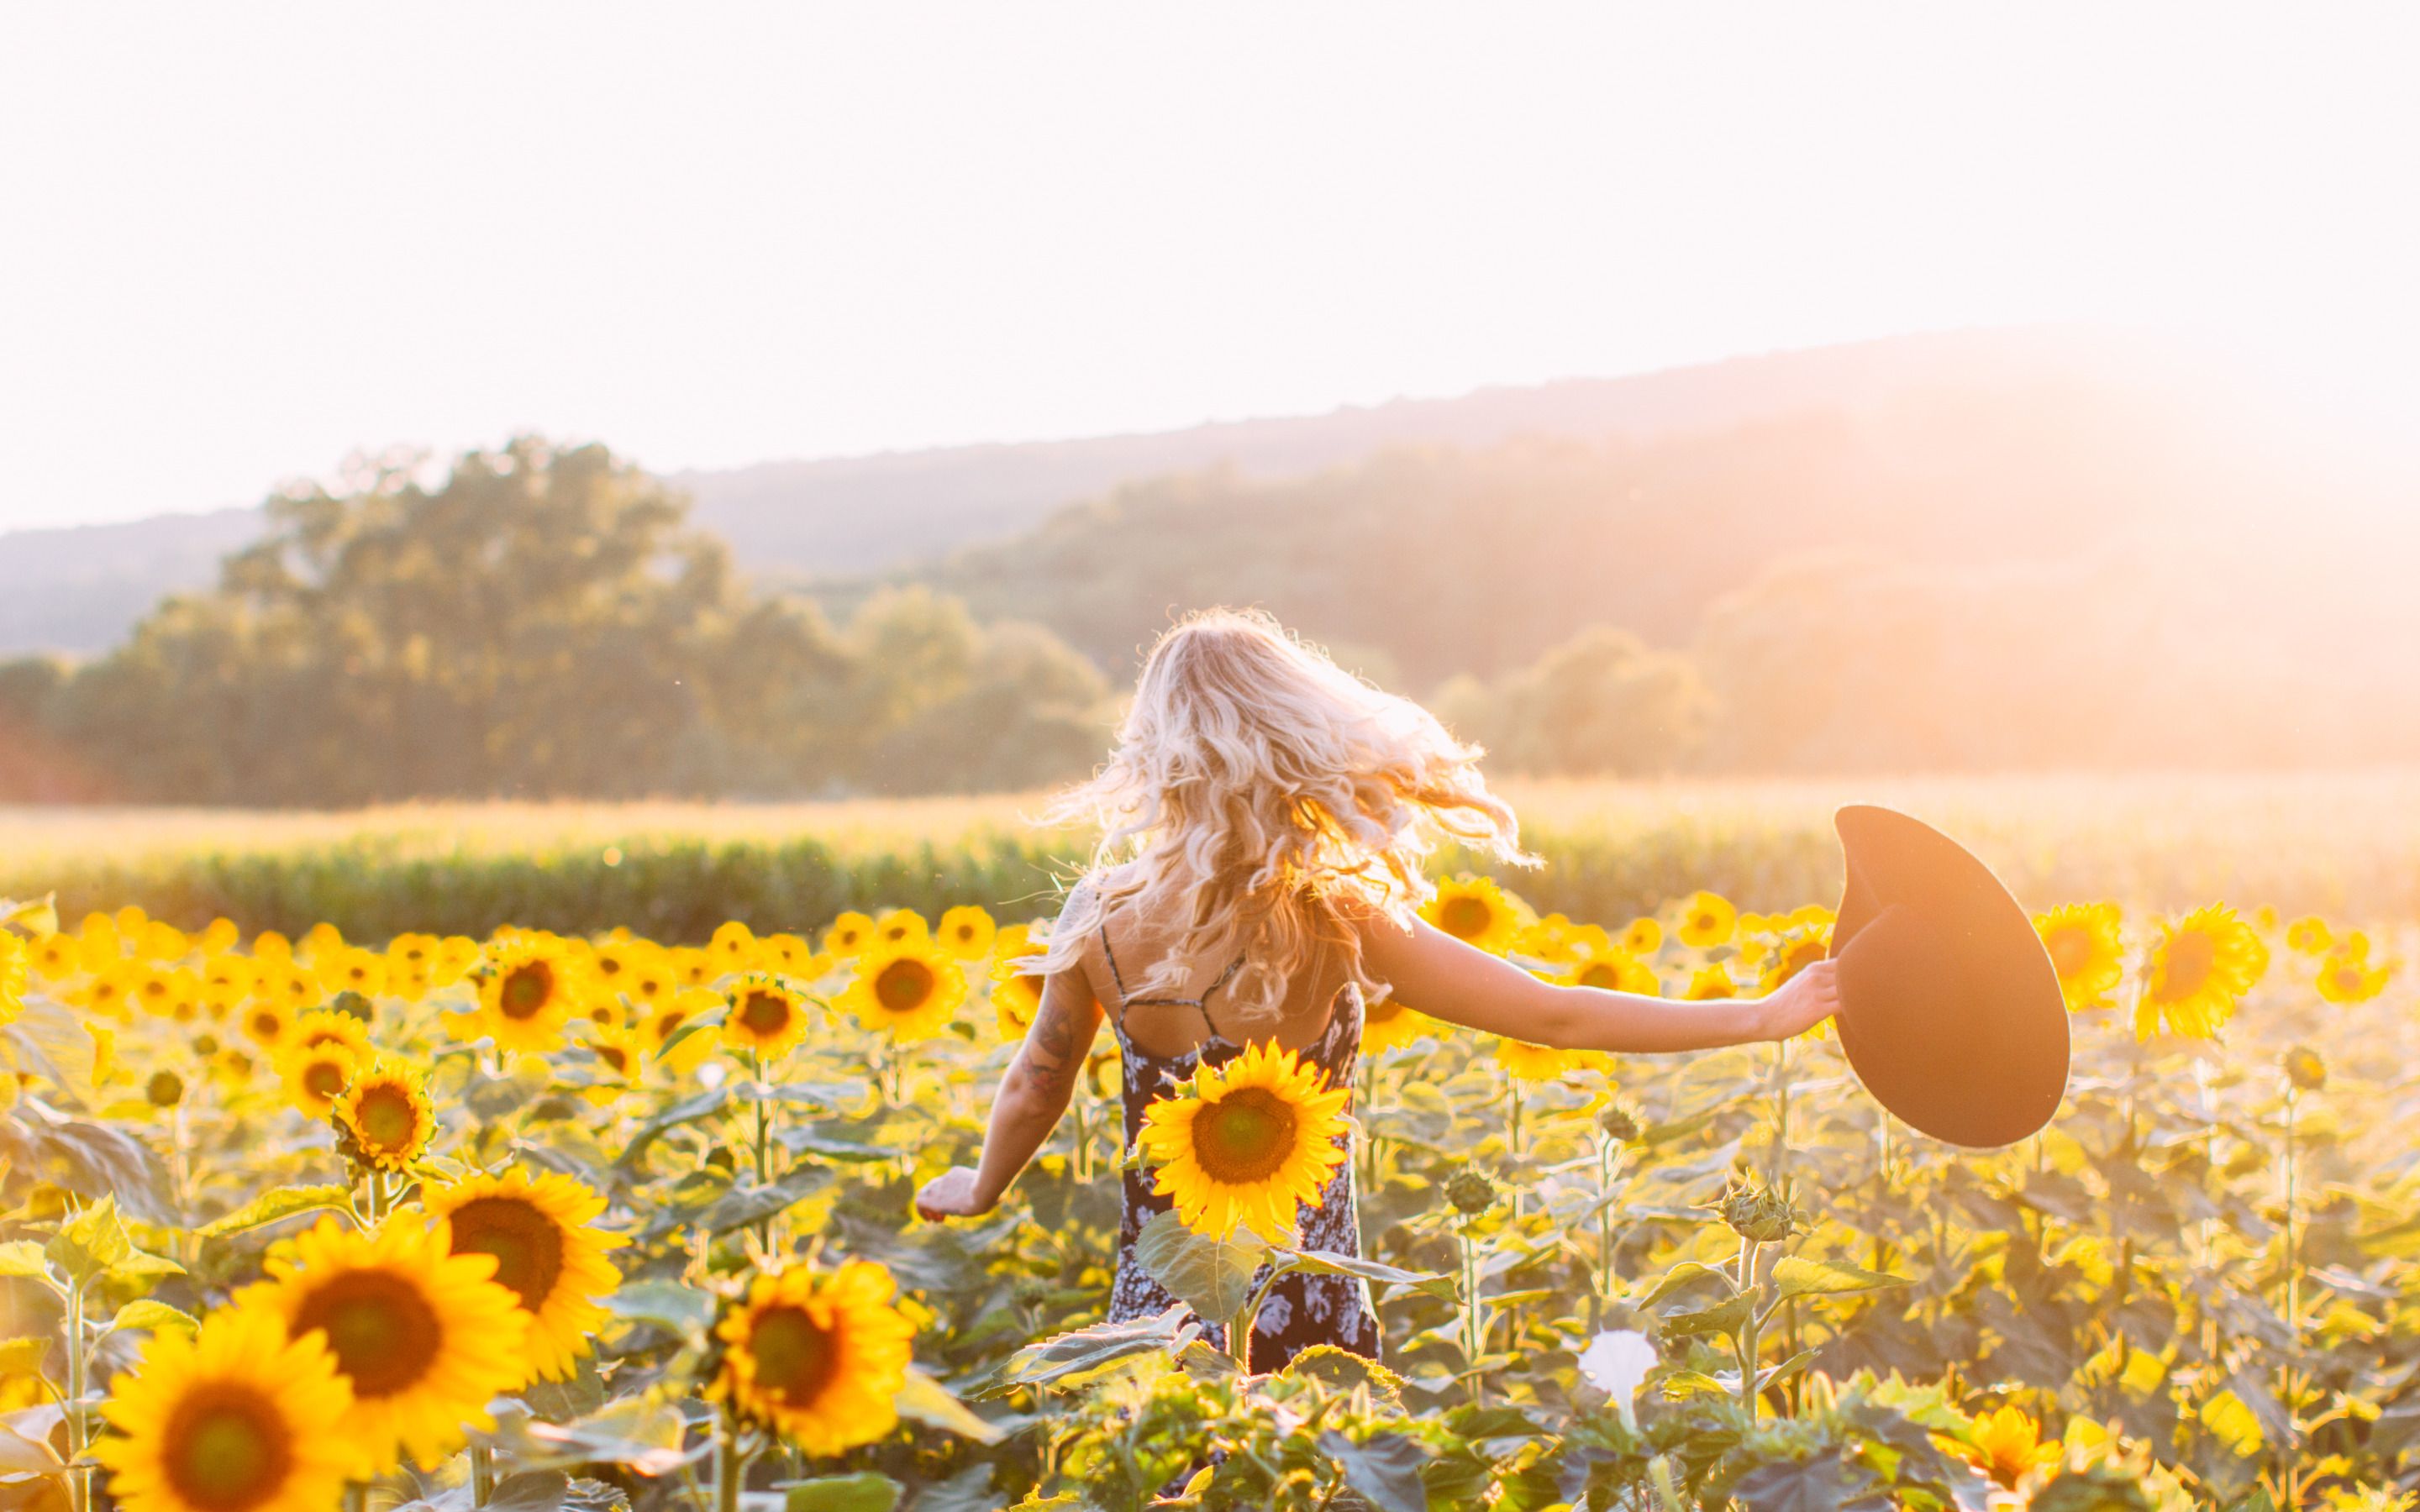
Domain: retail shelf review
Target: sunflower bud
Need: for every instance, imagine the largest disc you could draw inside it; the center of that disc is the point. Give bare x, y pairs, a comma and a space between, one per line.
1759, 1216
1470, 1192
1620, 1123
2305, 1070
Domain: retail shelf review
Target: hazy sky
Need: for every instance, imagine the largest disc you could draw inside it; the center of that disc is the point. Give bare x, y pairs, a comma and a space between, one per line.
239, 240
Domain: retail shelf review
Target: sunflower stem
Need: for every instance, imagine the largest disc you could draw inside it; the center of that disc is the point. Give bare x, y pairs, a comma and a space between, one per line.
357, 1496
764, 1146
483, 1475
1239, 1337
79, 1483
730, 1466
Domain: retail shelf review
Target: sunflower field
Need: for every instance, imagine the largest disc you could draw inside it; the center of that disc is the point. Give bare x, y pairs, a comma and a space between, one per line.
538, 1221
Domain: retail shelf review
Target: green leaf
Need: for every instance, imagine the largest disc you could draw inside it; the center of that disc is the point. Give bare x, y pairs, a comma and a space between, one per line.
1786, 1368
1343, 1370
1327, 1262
21, 1455
816, 1142
22, 1357
153, 1314
695, 1024
833, 1096
968, 1490
705, 1104
37, 916
1823, 1485
1794, 1276
742, 1206
490, 1097
863, 1493
1385, 1468
89, 1243
1674, 1279
22, 1256
1683, 1385
927, 1401
1730, 1318
645, 1436
1213, 1276
139, 1267
279, 1202
682, 1309
1066, 1361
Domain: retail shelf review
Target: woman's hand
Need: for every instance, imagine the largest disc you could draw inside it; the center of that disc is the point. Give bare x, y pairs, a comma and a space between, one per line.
1799, 1004
952, 1195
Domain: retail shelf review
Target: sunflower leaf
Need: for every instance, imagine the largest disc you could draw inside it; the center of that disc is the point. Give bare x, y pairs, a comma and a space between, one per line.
139, 1266
924, 1401
704, 1105
278, 1202
695, 1024
866, 1491
1385, 1468
147, 1314
22, 1256
21, 1455
1794, 1276
1327, 1262
1068, 1359
22, 1357
742, 1206
682, 1309
1674, 1279
1211, 1275
89, 1243
490, 1097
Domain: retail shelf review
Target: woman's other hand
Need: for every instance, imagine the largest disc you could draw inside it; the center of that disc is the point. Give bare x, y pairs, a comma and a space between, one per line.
952, 1195
1799, 1004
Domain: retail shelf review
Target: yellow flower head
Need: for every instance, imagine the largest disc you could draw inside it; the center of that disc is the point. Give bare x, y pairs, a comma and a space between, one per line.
167, 991
325, 1027
533, 986
271, 948
911, 988
765, 1017
455, 956
1477, 912
617, 962
388, 1114
966, 931
1240, 1145
217, 936
265, 1022
547, 1255
423, 1336
1644, 937
317, 1078
815, 1358
13, 975
692, 966
1556, 938
2007, 1445
55, 956
1707, 919
2347, 975
899, 926
348, 968
237, 1419
787, 955
320, 939
2309, 935
850, 934
734, 948
1800, 946
1016, 993
2199, 970
2086, 950
157, 940
1526, 1062
227, 982
1711, 982
1388, 1021
1613, 969
623, 1051
293, 988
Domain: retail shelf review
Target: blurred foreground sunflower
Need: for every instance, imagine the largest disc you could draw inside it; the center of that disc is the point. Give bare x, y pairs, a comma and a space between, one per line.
2198, 971
237, 1419
1239, 1145
1391, 1022
1015, 992
2347, 975
547, 1255
1529, 1062
2086, 950
1709, 983
1612, 969
909, 987
764, 1015
816, 1358
1798, 949
1477, 912
386, 1115
424, 1337
2007, 1445
1707, 919
2309, 935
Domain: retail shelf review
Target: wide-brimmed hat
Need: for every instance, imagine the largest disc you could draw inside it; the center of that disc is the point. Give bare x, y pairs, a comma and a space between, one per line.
1949, 1006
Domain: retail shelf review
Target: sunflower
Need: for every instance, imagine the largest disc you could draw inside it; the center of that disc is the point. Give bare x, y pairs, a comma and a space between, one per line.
348, 968
325, 1027
109, 989
2086, 950
1391, 1022
1711, 982
2309, 935
1614, 969
265, 1023
1240, 1145
2347, 975
1797, 951
272, 949
790, 956
2007, 1445
424, 1337
532, 986
456, 954
2199, 969
13, 975
168, 992
320, 939
1707, 919
691, 967
733, 947
217, 936
623, 1051
911, 987
1477, 912
847, 936
1528, 1062
1556, 938
966, 931
227, 982
316, 1077
536, 1227
54, 956
1016, 993
764, 1017
817, 1359
290, 987
238, 1418
387, 1114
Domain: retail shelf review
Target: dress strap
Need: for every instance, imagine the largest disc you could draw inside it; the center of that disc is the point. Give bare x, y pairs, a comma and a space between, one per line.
1125, 1002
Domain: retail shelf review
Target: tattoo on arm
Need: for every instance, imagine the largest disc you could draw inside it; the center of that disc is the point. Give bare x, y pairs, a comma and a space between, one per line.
1052, 1059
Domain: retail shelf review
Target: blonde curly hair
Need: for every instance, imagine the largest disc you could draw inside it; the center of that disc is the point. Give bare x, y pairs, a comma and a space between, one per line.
1263, 794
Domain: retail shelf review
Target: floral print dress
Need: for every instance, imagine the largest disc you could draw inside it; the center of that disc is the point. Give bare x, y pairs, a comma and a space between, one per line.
1301, 1310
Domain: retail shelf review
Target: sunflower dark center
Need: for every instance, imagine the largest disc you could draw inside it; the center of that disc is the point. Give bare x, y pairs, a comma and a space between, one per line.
1600, 973
904, 986
325, 1079
765, 1014
1466, 919
1244, 1136
266, 1024
386, 1118
527, 1244
527, 989
667, 1023
795, 1356
228, 1448
1385, 1010
2191, 956
382, 1330
615, 1057
2071, 949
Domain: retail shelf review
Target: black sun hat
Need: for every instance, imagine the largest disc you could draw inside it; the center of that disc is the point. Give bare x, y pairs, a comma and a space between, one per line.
1949, 1006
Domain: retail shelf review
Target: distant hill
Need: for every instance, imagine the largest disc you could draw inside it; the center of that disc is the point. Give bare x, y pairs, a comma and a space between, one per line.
80, 589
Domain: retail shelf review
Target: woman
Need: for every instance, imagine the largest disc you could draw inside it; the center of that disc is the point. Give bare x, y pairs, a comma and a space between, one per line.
1264, 818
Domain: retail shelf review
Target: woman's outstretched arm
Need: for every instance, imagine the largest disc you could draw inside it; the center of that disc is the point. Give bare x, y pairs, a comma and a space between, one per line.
1432, 971
1034, 1094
